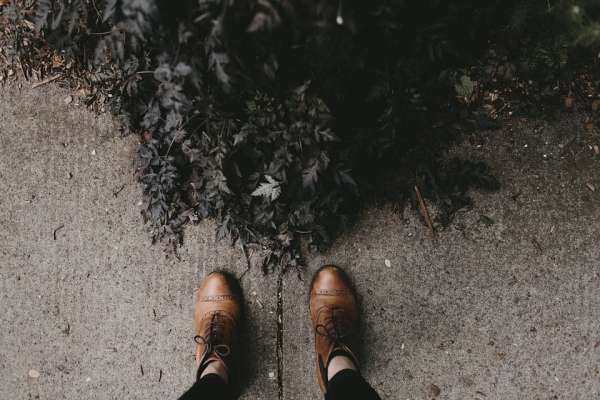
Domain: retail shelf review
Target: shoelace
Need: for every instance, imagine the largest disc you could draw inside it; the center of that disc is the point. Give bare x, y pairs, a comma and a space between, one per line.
335, 326
213, 337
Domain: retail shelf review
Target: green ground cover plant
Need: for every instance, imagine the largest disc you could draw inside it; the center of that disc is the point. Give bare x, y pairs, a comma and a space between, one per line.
283, 119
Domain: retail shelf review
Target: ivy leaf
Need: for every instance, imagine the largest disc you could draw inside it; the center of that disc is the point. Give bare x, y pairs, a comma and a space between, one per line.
162, 73
221, 182
217, 62
328, 135
465, 87
223, 231
270, 189
182, 69
346, 179
310, 176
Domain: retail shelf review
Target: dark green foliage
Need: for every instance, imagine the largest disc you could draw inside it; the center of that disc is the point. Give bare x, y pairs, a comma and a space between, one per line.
280, 118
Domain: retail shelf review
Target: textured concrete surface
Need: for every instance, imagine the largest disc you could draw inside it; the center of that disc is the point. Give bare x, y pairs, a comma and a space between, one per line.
97, 305
502, 311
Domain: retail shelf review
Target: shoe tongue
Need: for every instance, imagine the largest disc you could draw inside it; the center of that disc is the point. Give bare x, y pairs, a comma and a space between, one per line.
219, 329
216, 341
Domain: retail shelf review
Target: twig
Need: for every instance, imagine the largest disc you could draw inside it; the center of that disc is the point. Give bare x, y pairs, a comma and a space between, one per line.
159, 375
537, 245
99, 19
424, 211
142, 369
56, 230
52, 79
248, 262
99, 33
170, 145
116, 193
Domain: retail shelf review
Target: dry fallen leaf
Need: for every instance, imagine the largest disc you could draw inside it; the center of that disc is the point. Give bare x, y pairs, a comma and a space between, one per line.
595, 105
569, 100
434, 390
57, 61
30, 25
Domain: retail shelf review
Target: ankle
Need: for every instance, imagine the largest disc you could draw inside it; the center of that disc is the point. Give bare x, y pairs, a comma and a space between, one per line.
339, 363
216, 367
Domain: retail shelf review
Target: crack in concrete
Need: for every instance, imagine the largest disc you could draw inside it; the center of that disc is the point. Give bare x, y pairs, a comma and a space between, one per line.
280, 336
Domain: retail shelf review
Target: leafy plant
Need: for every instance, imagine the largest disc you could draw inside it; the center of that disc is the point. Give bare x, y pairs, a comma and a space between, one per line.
281, 119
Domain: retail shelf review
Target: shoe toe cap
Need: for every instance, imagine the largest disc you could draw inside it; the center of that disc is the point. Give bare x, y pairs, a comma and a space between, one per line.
330, 277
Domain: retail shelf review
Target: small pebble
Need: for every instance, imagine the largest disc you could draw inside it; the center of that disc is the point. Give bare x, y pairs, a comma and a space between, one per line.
34, 374
388, 263
93, 152
68, 99
271, 375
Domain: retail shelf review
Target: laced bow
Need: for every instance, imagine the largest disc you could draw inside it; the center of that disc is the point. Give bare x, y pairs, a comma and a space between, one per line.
335, 326
213, 337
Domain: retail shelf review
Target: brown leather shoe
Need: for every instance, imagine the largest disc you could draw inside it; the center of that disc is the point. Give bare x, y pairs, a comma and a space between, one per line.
334, 313
217, 318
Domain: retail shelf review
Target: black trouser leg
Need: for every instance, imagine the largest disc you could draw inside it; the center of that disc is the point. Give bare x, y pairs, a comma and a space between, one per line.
349, 385
209, 387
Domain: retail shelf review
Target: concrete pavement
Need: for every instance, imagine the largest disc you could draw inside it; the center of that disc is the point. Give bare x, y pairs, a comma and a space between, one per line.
502, 311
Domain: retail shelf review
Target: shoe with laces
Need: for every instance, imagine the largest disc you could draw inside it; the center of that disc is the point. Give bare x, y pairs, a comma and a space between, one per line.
217, 318
334, 314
